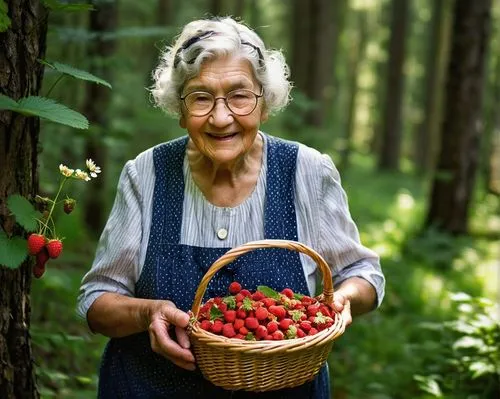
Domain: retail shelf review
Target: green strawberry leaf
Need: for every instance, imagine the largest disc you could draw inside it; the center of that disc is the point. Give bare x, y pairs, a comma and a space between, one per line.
320, 318
250, 337
13, 251
26, 215
247, 303
269, 292
76, 73
215, 313
298, 296
291, 332
296, 314
230, 301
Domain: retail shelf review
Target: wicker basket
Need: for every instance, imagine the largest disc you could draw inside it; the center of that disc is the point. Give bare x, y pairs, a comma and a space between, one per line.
235, 364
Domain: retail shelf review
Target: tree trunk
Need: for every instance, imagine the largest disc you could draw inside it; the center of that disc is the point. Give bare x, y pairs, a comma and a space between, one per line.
391, 132
460, 136
433, 83
20, 75
97, 102
357, 54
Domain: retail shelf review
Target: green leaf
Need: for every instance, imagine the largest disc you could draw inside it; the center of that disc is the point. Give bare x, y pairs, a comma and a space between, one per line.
230, 301
469, 342
215, 313
56, 5
4, 17
76, 73
269, 292
13, 251
8, 103
26, 215
298, 296
52, 111
247, 304
481, 368
429, 385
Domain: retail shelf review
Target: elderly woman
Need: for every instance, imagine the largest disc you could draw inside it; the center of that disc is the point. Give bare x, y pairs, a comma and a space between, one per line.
182, 204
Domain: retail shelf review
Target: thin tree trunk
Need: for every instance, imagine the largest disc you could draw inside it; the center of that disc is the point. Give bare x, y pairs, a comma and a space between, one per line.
97, 102
460, 136
21, 46
391, 133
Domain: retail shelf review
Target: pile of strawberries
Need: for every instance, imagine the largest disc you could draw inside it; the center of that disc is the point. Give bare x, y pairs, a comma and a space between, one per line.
43, 249
264, 314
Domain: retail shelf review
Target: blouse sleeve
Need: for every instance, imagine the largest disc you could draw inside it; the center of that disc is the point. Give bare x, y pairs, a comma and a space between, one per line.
339, 239
115, 264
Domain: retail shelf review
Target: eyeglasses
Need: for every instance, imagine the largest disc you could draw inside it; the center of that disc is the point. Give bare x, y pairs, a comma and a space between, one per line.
240, 102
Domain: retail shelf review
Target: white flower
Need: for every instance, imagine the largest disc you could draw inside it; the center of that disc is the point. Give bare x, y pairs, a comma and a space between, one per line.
79, 174
92, 167
65, 171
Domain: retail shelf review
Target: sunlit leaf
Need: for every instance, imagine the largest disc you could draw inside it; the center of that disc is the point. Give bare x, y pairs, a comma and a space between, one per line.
429, 385
481, 368
469, 342
26, 215
13, 251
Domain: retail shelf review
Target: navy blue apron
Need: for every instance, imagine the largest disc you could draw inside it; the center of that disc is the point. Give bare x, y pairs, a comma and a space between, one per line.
130, 369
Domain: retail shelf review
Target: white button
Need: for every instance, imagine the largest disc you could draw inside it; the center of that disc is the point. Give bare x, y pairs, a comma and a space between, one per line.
222, 234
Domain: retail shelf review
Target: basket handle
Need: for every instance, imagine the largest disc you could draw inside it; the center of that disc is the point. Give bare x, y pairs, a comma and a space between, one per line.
234, 253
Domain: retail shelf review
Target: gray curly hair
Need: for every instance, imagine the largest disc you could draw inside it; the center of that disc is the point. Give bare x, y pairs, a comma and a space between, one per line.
207, 39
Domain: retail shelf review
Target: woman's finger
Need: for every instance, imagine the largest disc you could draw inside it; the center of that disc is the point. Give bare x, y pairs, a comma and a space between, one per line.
182, 337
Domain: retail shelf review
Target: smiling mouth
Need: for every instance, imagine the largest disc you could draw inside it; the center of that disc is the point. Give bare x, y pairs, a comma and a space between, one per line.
222, 136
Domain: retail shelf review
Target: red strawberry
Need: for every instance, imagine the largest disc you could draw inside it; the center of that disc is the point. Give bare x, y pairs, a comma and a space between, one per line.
243, 331
238, 323
300, 333
268, 337
278, 335
35, 243
251, 323
313, 309
312, 331
278, 311
41, 259
239, 336
272, 326
217, 326
222, 306
307, 300
246, 293
261, 332
69, 205
54, 248
325, 310
288, 292
228, 330
241, 314
305, 325
239, 297
268, 302
285, 324
257, 296
261, 313
205, 325
234, 288
230, 316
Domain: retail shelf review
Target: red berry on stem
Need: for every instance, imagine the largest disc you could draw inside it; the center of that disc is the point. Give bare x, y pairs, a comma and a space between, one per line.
234, 288
54, 248
35, 243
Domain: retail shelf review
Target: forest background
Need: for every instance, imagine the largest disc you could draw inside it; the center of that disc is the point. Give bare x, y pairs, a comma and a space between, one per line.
403, 94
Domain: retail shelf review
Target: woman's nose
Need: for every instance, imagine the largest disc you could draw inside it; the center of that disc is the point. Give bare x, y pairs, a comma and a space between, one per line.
221, 115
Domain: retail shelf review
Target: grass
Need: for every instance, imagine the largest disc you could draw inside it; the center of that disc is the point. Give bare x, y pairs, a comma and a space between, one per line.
379, 355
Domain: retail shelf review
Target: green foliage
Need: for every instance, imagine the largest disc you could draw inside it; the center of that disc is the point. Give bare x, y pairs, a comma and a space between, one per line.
56, 5
4, 18
13, 250
45, 108
74, 72
467, 362
26, 215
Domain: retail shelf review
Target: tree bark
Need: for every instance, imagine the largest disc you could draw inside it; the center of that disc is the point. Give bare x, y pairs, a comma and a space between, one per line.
97, 102
391, 132
20, 75
460, 136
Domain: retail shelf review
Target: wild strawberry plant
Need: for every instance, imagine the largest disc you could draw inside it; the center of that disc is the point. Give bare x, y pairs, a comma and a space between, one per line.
44, 242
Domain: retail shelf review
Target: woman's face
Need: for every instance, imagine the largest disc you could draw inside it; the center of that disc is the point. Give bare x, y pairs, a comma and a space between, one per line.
221, 135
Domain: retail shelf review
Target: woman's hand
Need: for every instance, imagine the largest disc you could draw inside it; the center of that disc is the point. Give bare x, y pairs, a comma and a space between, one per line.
342, 305
165, 316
